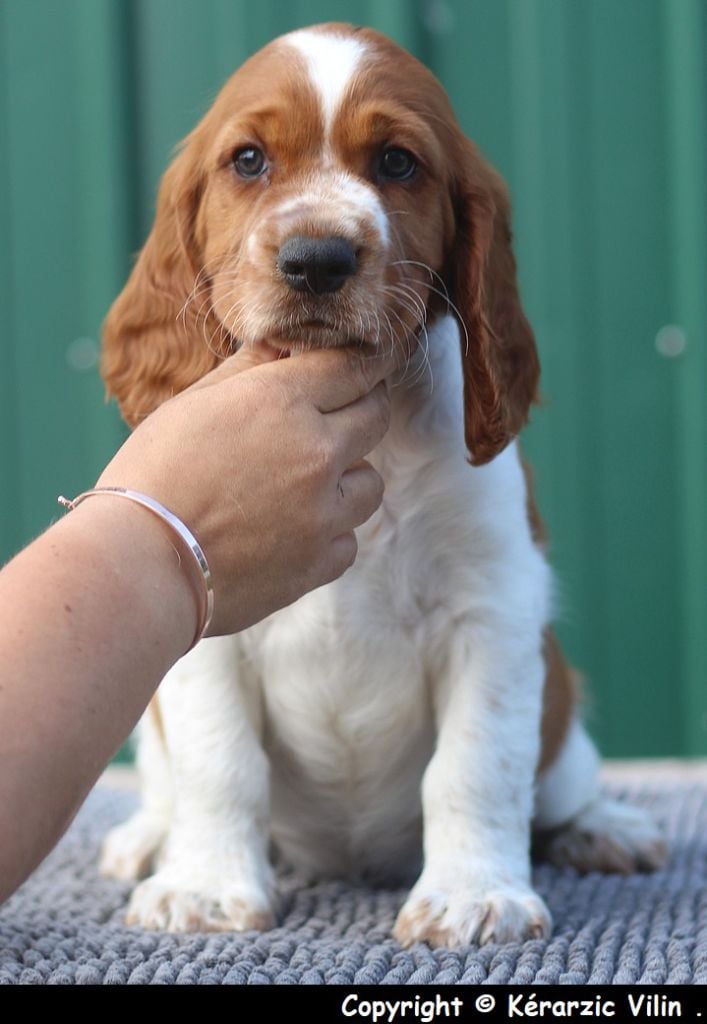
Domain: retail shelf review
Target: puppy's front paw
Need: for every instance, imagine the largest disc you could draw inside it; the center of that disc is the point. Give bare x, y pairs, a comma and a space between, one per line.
459, 915
176, 904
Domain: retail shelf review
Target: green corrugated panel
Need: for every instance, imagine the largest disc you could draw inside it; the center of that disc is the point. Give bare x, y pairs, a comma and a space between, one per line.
468, 50
595, 113
685, 38
63, 213
10, 489
635, 414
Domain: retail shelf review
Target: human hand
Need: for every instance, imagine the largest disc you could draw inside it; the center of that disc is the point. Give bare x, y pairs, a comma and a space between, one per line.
263, 460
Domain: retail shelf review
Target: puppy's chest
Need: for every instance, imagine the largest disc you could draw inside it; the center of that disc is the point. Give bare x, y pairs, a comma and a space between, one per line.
345, 671
371, 624
360, 642
408, 558
406, 551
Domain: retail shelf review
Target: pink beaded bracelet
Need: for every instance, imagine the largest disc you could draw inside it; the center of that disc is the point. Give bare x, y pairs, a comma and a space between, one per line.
189, 541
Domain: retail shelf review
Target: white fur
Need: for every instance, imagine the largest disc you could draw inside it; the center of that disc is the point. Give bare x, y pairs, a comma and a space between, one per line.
332, 63
571, 783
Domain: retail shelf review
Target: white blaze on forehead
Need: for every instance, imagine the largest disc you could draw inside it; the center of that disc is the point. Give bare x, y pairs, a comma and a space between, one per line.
332, 62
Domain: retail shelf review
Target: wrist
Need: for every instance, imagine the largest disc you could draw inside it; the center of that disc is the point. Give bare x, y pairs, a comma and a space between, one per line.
127, 548
183, 542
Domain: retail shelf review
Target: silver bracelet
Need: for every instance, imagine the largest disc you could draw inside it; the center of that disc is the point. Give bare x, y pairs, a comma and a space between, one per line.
206, 602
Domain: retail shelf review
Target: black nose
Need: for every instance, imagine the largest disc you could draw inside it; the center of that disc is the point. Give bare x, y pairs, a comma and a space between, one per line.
316, 265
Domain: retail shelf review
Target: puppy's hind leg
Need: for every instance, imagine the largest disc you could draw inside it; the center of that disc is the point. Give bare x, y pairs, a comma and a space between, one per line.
578, 825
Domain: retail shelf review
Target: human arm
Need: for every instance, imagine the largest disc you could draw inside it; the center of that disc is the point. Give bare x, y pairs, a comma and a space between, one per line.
95, 611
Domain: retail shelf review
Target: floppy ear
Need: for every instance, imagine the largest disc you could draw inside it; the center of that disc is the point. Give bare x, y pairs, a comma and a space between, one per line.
155, 342
499, 358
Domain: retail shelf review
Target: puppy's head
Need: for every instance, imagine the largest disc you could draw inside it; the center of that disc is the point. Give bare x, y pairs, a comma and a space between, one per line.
327, 198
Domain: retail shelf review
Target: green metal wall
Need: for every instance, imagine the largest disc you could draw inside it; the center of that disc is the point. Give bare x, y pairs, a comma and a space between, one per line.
594, 110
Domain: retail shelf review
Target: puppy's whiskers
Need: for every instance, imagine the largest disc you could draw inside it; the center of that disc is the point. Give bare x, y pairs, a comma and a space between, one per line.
443, 293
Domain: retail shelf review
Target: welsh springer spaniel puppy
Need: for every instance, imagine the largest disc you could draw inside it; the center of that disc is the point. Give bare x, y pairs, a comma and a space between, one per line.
412, 719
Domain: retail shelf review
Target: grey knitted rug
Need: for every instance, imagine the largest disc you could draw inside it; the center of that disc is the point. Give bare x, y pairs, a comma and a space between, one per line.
64, 926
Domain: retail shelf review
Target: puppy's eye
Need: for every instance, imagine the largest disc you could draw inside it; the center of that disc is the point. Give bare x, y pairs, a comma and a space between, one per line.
397, 164
249, 162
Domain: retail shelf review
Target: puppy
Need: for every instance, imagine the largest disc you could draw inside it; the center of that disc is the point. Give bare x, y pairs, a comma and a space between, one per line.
412, 719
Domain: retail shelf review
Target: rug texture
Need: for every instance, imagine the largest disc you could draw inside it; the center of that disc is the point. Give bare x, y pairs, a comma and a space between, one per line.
64, 926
